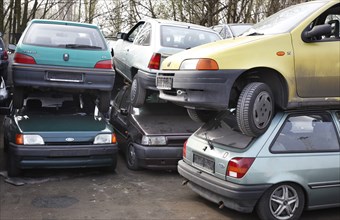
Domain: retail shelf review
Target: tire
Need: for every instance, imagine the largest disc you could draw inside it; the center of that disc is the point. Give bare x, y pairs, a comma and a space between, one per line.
131, 157
89, 103
104, 102
12, 169
137, 93
255, 109
18, 98
292, 203
201, 116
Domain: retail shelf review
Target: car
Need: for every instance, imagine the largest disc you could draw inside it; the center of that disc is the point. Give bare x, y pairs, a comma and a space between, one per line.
232, 29
289, 60
151, 136
55, 131
54, 55
3, 59
293, 166
139, 53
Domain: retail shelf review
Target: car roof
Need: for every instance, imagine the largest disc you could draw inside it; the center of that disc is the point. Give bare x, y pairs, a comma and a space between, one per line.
46, 21
177, 23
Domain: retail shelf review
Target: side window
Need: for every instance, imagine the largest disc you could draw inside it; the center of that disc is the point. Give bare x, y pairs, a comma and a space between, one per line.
144, 35
307, 133
133, 32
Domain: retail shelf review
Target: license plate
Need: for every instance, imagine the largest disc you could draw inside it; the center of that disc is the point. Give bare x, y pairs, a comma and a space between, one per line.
65, 77
204, 162
164, 82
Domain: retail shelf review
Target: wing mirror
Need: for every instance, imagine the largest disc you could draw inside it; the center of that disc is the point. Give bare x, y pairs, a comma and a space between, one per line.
317, 32
121, 35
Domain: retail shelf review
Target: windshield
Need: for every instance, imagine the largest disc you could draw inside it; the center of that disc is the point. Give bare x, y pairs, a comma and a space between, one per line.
224, 130
185, 37
284, 20
66, 36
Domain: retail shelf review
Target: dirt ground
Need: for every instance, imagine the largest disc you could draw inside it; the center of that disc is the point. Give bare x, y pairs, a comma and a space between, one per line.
100, 194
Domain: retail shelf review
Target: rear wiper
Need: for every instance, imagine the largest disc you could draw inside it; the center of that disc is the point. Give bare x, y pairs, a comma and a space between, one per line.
81, 46
209, 141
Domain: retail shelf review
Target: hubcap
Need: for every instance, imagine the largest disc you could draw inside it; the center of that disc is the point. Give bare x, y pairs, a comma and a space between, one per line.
283, 202
263, 110
133, 89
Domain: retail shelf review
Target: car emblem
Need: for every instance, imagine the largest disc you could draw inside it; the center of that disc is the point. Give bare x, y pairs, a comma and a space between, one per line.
69, 139
66, 57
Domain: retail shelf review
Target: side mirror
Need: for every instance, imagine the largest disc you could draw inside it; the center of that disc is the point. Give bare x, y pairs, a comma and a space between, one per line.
317, 32
124, 111
11, 48
121, 35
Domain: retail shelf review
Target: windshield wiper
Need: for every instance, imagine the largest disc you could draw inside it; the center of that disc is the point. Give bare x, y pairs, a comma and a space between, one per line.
254, 34
209, 141
81, 46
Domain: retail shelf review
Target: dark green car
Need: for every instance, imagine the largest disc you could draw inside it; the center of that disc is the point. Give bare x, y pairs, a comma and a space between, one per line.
54, 133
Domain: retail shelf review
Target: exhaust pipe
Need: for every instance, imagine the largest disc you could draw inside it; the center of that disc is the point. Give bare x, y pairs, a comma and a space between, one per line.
185, 182
221, 205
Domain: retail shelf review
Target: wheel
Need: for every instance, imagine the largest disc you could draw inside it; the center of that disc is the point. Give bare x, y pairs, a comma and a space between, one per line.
131, 157
201, 115
104, 102
281, 202
138, 93
18, 97
255, 108
88, 103
12, 169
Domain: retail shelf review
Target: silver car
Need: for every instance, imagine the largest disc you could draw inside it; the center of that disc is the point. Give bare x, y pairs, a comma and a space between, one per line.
138, 54
293, 166
232, 29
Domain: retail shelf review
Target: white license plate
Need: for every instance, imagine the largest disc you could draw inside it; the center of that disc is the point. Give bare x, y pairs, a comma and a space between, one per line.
164, 82
204, 162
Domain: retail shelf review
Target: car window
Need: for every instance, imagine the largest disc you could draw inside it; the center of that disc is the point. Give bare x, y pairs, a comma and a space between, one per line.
219, 29
144, 37
134, 31
224, 130
338, 115
185, 37
307, 133
239, 29
55, 35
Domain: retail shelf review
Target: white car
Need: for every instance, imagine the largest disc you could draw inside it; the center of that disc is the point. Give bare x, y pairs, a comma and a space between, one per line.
138, 54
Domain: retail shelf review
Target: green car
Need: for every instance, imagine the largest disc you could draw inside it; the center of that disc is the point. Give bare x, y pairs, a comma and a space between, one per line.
293, 166
63, 56
56, 133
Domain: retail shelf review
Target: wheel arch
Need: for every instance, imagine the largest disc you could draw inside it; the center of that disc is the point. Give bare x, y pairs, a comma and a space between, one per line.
271, 77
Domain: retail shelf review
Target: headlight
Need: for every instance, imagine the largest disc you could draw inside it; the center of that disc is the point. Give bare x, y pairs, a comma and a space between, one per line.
29, 139
105, 139
199, 64
153, 140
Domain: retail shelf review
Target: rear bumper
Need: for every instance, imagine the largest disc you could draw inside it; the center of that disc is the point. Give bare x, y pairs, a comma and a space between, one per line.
147, 79
71, 156
158, 157
36, 76
242, 198
208, 90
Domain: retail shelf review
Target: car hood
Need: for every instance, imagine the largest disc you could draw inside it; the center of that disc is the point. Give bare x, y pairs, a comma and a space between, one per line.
34, 123
215, 50
166, 125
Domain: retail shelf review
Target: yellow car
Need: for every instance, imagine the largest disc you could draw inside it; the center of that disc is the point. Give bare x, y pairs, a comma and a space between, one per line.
289, 60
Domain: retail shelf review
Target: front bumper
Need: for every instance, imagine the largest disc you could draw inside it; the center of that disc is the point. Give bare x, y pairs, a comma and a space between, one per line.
158, 157
242, 198
71, 156
37, 76
208, 90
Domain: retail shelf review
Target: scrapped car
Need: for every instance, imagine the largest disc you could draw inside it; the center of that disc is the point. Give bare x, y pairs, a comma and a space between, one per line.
139, 53
151, 136
56, 132
289, 60
231, 30
3, 59
293, 166
63, 55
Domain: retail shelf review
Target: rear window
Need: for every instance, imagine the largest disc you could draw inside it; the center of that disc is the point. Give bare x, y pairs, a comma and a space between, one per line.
224, 130
185, 38
66, 36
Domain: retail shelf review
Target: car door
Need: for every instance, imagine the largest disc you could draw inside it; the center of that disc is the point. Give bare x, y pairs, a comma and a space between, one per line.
122, 51
317, 63
309, 142
119, 116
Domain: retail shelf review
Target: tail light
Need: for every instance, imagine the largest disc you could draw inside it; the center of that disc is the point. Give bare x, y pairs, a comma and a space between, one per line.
155, 61
23, 58
5, 55
238, 166
185, 149
104, 64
